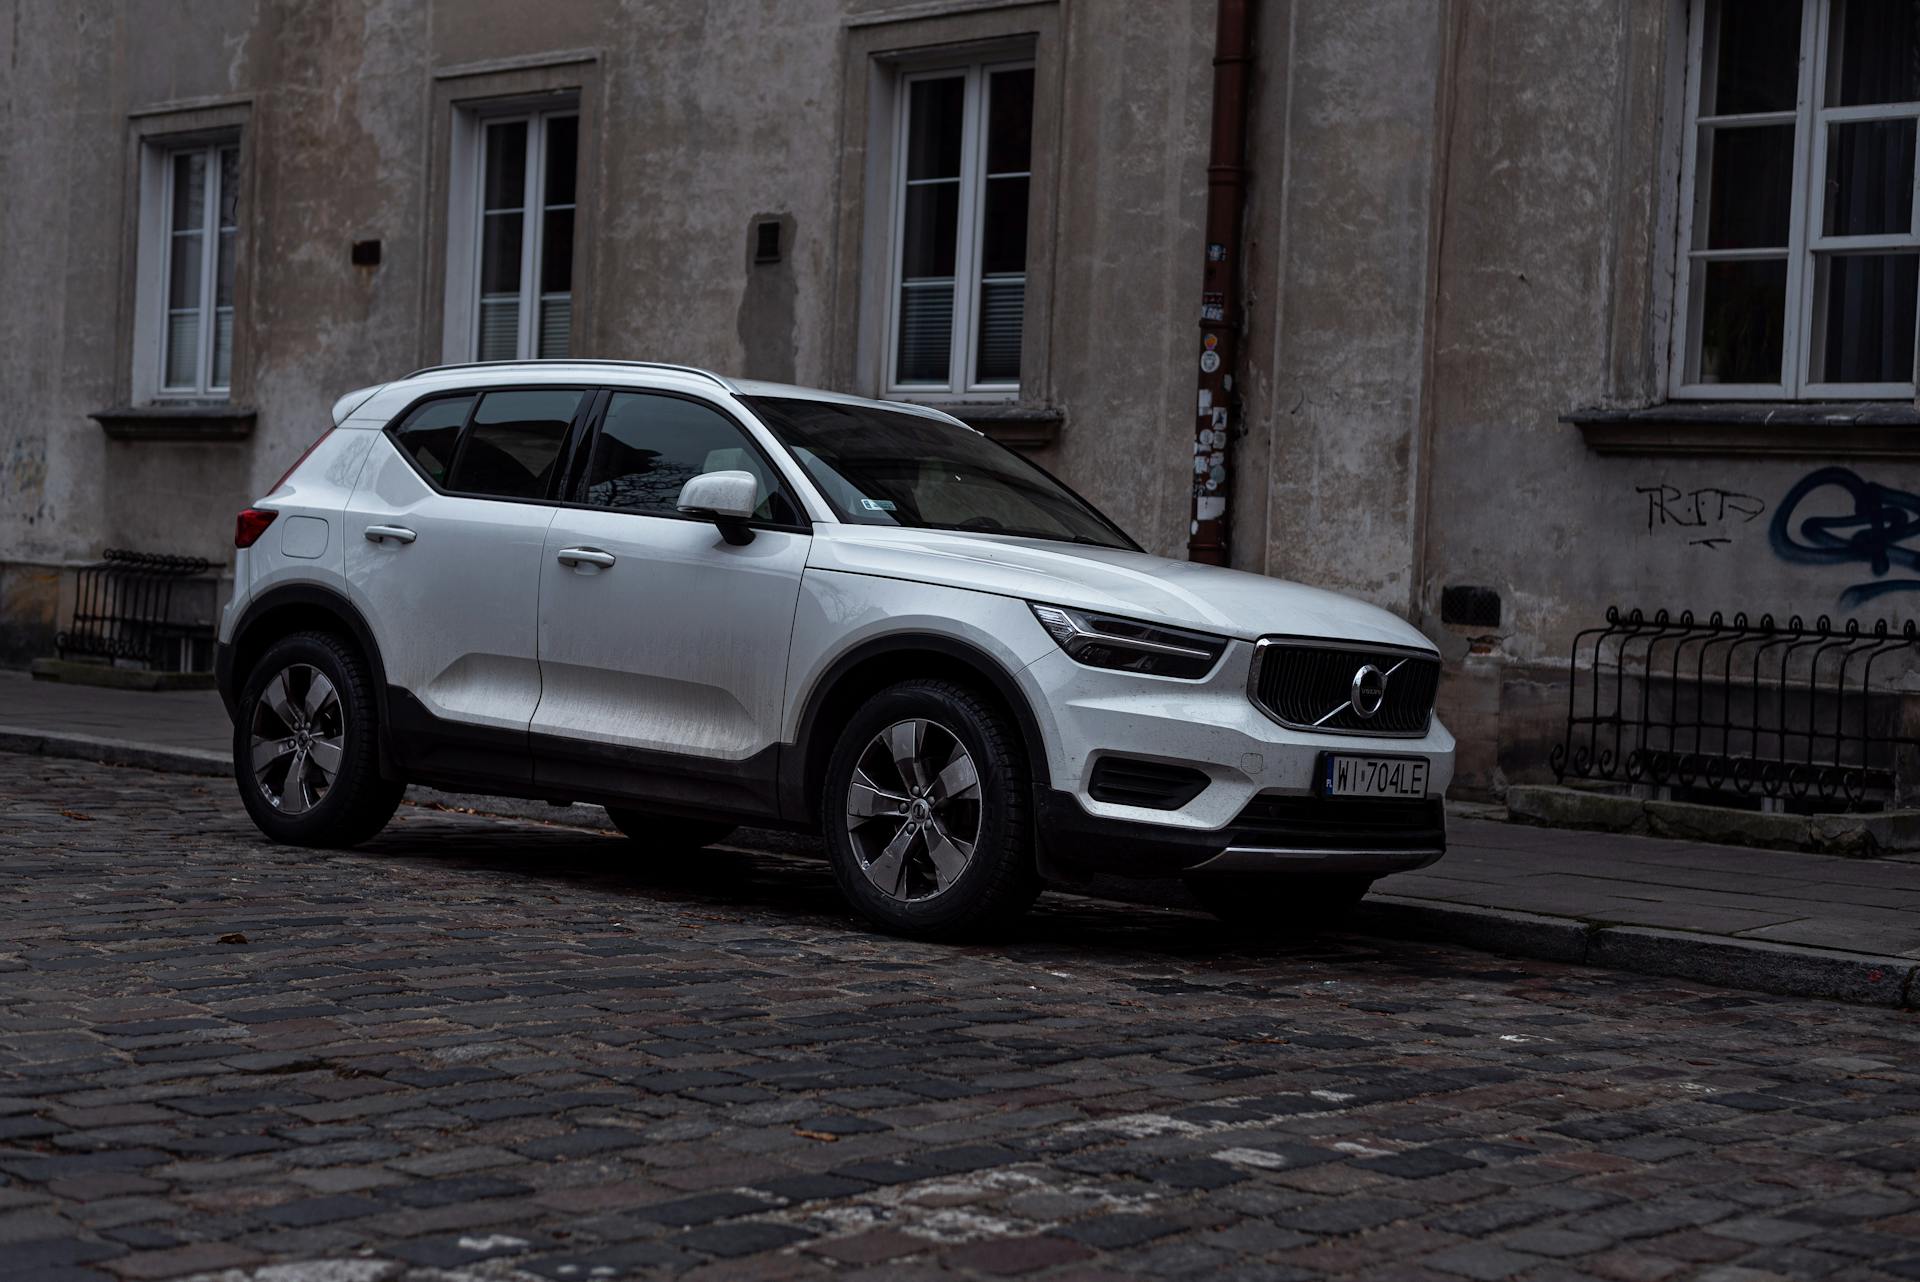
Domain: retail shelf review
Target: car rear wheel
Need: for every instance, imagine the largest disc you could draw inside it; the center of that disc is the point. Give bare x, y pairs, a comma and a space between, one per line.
304, 748
1280, 904
668, 832
927, 812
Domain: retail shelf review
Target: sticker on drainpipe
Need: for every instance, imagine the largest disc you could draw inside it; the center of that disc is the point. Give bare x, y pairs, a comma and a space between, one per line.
1206, 400
1210, 507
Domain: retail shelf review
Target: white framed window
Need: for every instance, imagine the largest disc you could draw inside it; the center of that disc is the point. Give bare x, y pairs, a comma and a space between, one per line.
957, 281
510, 275
1799, 225
195, 193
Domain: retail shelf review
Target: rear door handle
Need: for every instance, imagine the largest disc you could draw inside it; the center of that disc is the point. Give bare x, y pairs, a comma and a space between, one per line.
398, 533
586, 556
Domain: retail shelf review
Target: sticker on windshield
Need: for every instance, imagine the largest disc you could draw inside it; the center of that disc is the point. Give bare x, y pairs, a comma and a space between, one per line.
877, 505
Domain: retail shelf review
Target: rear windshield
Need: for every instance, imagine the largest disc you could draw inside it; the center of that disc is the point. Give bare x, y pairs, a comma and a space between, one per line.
885, 467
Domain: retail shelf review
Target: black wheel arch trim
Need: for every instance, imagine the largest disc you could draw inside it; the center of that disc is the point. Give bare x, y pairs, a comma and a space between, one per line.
229, 678
798, 765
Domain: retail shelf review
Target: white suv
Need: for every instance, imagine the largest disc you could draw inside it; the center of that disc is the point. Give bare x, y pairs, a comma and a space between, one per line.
703, 602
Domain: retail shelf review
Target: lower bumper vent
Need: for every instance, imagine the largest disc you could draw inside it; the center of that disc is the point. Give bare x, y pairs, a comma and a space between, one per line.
1123, 781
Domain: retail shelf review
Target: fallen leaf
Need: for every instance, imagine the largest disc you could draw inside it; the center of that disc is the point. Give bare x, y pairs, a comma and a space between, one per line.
75, 814
825, 1137
235, 938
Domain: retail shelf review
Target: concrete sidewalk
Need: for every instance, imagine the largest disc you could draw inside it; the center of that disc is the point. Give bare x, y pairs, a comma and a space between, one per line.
1805, 924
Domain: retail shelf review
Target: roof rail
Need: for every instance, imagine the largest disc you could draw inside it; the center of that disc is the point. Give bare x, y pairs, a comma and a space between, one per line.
662, 365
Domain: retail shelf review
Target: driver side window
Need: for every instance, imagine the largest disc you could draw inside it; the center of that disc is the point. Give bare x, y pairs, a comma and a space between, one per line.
649, 446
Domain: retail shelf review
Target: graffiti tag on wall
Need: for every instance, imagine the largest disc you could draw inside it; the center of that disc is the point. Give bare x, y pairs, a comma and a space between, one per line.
1703, 513
1856, 523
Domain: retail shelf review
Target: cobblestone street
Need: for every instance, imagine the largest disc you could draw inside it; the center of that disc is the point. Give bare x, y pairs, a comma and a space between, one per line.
498, 1049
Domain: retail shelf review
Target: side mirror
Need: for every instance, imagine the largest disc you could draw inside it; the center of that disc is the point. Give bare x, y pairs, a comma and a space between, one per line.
728, 499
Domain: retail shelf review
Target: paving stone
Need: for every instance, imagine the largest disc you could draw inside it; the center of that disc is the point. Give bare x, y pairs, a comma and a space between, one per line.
494, 1048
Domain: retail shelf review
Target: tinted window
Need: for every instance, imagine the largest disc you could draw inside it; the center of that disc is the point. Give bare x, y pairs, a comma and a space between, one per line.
514, 444
889, 467
430, 434
649, 447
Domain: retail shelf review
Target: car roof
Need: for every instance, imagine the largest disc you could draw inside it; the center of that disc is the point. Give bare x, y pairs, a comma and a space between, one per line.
383, 401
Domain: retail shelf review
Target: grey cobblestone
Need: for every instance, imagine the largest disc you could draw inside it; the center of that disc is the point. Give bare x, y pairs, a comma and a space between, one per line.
508, 1051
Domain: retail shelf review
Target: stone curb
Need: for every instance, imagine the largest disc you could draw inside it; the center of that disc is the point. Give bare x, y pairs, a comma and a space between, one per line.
114, 752
1790, 970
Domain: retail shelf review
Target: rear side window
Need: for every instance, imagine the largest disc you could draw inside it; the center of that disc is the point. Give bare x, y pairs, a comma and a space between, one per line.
513, 444
431, 434
650, 446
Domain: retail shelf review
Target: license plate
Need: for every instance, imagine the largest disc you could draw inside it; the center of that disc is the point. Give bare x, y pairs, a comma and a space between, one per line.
1399, 777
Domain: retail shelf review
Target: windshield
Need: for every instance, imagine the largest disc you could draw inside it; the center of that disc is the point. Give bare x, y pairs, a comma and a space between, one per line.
884, 467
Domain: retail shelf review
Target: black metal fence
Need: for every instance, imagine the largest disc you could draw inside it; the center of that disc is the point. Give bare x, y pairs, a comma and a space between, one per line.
1738, 712
127, 608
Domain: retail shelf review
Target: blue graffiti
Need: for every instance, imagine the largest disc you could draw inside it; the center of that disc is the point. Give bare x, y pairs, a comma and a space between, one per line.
1876, 533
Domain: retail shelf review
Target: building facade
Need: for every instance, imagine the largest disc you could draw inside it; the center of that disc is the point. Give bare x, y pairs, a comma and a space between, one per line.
1548, 304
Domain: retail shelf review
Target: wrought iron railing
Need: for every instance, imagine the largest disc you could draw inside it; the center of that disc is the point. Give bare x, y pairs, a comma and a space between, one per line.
1809, 717
126, 609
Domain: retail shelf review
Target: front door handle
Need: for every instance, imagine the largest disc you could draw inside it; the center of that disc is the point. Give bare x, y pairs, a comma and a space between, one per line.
585, 556
398, 533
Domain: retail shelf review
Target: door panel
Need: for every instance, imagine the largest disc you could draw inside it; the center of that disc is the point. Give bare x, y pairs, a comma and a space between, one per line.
453, 610
671, 661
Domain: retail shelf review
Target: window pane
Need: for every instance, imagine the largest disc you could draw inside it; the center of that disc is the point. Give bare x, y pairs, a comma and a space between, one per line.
1868, 311
556, 326
1749, 190
1010, 122
929, 230
1873, 52
926, 332
563, 144
183, 271
506, 181
1002, 316
650, 446
1756, 57
429, 434
499, 328
1742, 313
934, 112
500, 253
1003, 235
223, 270
189, 190
1870, 178
556, 251
514, 442
183, 349
222, 346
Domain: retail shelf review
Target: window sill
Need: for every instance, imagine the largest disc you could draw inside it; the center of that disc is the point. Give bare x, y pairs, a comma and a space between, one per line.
191, 422
1020, 426
1859, 429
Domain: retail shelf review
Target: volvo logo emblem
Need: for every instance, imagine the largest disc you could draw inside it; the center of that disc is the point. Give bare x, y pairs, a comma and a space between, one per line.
1369, 691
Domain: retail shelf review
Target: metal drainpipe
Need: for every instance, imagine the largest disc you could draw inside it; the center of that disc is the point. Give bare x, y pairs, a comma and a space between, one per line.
1216, 421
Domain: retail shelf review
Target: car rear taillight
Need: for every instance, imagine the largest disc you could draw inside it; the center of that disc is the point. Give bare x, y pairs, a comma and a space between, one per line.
251, 524
297, 462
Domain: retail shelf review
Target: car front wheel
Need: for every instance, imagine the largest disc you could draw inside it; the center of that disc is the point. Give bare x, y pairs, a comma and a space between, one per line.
927, 812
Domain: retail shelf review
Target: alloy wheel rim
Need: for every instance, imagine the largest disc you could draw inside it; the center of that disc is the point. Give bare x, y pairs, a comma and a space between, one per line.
298, 736
913, 810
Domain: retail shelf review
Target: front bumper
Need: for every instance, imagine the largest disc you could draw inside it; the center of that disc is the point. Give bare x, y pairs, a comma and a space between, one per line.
1277, 834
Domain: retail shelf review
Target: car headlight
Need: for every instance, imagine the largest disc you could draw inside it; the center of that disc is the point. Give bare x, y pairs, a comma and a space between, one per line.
1102, 641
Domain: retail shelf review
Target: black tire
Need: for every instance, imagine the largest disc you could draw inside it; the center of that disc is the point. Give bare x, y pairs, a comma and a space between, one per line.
998, 880
355, 803
1282, 904
668, 832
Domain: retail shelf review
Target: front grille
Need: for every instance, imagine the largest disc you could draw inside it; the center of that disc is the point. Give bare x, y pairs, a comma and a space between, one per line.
1310, 687
1341, 823
1124, 781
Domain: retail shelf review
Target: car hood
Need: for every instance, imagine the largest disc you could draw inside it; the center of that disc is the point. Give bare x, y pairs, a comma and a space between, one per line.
1153, 588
